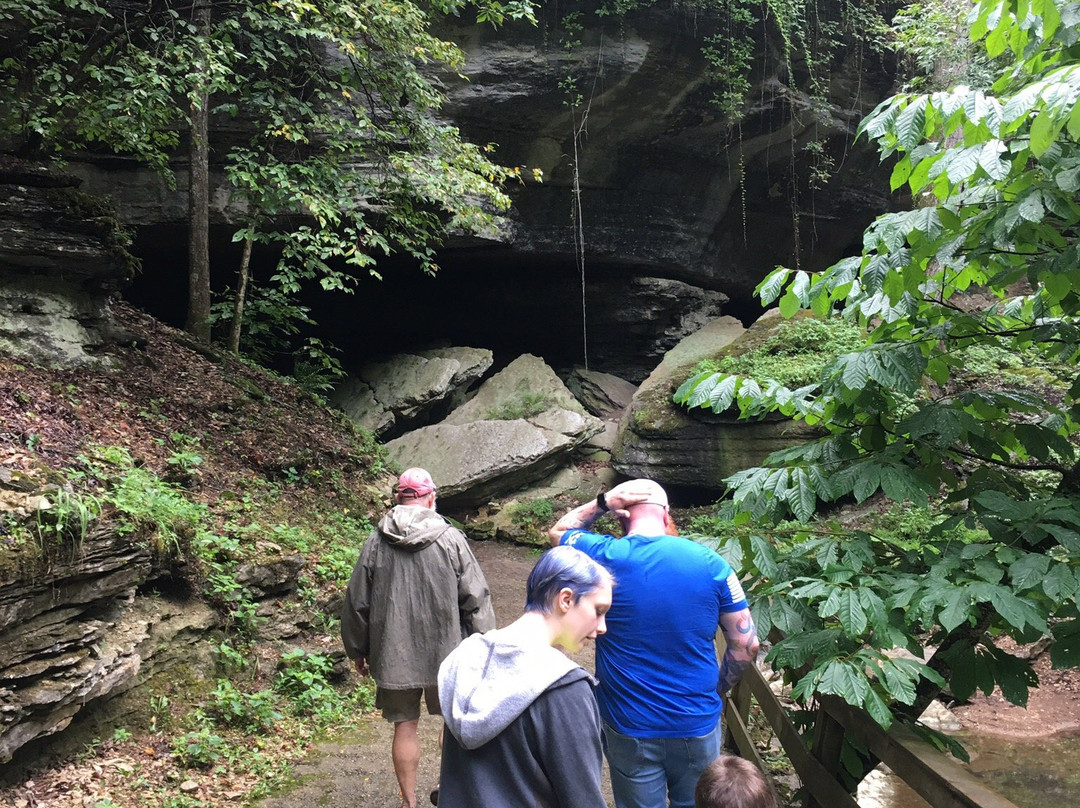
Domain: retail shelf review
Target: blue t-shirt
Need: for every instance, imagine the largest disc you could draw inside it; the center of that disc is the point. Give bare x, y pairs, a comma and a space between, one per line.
657, 662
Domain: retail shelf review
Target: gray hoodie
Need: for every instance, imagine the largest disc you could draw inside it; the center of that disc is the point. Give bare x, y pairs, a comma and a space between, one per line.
524, 729
491, 679
415, 592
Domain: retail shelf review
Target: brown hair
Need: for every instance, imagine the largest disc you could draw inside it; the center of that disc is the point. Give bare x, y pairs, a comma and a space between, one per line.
733, 782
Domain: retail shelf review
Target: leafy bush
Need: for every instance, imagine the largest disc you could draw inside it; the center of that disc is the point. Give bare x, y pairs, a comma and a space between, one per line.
233, 708
200, 749
534, 514
144, 501
336, 564
909, 527
303, 678
231, 659
70, 514
1017, 367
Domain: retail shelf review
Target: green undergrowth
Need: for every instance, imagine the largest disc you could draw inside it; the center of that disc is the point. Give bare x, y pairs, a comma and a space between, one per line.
233, 737
794, 354
285, 480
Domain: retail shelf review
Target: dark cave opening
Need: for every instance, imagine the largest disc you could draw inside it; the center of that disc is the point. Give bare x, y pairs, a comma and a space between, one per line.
489, 297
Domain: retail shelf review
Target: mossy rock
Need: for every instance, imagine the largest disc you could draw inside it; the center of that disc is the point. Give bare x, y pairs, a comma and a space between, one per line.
697, 449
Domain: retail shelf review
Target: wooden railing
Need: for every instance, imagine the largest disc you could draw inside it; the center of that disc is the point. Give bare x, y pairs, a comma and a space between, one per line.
937, 778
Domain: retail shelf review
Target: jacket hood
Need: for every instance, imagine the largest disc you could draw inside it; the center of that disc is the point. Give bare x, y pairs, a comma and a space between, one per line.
491, 679
412, 527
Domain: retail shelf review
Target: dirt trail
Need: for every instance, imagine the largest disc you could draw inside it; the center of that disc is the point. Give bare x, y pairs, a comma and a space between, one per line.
354, 769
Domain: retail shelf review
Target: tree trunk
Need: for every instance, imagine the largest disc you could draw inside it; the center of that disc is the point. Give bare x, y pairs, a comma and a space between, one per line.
238, 302
198, 315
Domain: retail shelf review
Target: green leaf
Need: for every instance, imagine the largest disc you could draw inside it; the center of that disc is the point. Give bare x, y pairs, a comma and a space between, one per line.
900, 173
899, 680
802, 496
957, 609
997, 41
1060, 582
964, 163
789, 304
764, 555
1043, 132
843, 679
990, 160
1016, 611
910, 123
723, 393
877, 709
1029, 570
901, 483
969, 670
770, 288
1058, 285
1031, 206
1074, 122
845, 605
1014, 676
686, 388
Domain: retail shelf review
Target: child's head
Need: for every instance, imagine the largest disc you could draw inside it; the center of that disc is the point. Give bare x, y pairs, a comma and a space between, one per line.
733, 782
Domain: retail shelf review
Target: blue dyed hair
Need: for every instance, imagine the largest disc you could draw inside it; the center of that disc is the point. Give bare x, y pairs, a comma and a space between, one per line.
562, 567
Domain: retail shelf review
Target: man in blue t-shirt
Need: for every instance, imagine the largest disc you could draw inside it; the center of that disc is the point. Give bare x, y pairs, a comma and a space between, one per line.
660, 685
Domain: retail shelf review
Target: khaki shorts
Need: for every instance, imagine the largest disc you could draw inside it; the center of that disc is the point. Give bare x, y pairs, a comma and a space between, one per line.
404, 705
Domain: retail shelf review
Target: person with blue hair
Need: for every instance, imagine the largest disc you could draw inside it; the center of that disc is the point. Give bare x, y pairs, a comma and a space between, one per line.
524, 728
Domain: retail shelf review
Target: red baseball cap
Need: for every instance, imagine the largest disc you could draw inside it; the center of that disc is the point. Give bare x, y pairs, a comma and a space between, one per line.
415, 482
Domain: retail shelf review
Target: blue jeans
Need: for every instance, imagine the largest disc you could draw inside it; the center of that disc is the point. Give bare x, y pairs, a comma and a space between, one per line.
656, 772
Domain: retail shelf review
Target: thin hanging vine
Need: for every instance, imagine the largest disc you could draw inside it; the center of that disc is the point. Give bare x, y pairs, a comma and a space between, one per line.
579, 119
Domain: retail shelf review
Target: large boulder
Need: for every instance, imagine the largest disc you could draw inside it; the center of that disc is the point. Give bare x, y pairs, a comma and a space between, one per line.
694, 450
390, 396
525, 387
602, 394
521, 426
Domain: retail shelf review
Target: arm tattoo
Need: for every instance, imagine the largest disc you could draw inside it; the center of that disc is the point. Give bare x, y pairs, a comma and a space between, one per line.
580, 517
731, 671
741, 653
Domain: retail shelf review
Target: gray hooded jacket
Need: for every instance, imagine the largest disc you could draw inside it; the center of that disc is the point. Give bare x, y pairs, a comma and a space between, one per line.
524, 729
415, 592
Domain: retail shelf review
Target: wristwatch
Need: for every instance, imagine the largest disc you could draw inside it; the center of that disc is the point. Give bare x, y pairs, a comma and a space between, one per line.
601, 502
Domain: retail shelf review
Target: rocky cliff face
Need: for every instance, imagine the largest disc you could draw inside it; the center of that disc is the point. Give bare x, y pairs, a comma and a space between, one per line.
669, 187
72, 632
62, 252
683, 213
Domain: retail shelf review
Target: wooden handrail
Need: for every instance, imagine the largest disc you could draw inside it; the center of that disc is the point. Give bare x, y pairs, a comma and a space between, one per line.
937, 778
819, 781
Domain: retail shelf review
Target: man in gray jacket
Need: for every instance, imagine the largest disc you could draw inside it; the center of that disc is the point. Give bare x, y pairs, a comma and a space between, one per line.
416, 592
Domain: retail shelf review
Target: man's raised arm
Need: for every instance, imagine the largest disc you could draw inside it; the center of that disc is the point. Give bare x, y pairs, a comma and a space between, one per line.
617, 500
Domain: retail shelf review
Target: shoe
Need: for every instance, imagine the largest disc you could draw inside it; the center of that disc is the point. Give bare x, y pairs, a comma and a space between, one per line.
435, 796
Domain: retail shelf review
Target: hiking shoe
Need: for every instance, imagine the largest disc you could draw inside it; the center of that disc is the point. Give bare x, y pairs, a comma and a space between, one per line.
435, 796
